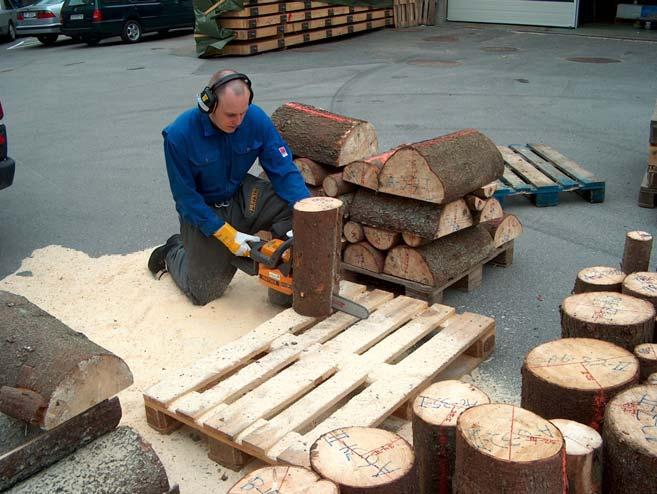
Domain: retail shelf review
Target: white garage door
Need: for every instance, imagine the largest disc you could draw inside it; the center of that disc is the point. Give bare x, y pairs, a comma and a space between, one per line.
561, 13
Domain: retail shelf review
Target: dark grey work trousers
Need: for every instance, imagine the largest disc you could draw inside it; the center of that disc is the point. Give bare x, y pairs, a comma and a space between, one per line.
202, 266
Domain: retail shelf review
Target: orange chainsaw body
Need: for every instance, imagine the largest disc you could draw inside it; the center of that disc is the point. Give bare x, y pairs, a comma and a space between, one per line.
273, 277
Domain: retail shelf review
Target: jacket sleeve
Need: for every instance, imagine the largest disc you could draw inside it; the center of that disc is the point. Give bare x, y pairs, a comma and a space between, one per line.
189, 203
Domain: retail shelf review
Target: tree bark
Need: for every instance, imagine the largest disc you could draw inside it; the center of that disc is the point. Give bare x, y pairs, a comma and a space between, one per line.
363, 255
646, 354
323, 136
641, 285
346, 199
630, 442
583, 457
43, 359
381, 238
284, 479
502, 448
317, 225
313, 173
353, 232
435, 412
365, 172
27, 451
402, 214
335, 186
363, 460
121, 461
636, 255
574, 378
442, 260
620, 319
491, 211
442, 169
599, 279
503, 229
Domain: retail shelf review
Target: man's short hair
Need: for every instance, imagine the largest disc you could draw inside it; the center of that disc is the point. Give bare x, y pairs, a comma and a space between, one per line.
237, 86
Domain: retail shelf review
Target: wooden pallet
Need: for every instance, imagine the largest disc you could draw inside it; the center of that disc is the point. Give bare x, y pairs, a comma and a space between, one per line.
406, 13
300, 15
271, 393
468, 281
541, 172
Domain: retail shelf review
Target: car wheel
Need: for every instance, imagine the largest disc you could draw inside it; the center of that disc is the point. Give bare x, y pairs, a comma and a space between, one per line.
48, 39
131, 31
12, 32
91, 41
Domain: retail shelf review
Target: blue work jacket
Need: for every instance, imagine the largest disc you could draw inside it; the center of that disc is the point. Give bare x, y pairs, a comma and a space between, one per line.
206, 165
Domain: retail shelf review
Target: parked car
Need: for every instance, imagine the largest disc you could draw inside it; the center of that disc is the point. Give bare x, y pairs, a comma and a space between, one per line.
7, 20
7, 165
41, 20
94, 20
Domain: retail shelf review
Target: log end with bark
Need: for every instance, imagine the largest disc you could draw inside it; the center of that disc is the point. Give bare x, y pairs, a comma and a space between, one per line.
504, 229
283, 479
381, 238
599, 279
646, 353
641, 285
583, 456
365, 172
313, 173
365, 256
353, 232
334, 185
491, 211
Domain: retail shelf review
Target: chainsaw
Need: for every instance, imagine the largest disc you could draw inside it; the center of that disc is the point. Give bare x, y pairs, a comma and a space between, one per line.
271, 261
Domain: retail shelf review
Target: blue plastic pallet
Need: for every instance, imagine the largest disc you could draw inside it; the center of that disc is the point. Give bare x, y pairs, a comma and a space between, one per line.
541, 172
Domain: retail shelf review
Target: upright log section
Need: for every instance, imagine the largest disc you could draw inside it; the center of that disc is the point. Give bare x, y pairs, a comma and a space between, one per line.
443, 169
363, 460
636, 255
440, 261
317, 225
401, 214
283, 479
323, 136
630, 439
642, 285
599, 279
574, 378
504, 229
48, 372
503, 448
646, 353
435, 412
583, 456
620, 319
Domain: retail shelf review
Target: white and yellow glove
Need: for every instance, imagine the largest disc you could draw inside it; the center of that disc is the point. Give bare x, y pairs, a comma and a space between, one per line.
234, 240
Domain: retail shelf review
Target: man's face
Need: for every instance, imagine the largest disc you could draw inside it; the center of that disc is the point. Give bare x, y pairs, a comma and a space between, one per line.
230, 111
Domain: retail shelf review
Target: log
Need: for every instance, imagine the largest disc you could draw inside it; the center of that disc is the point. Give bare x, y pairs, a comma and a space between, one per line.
503, 448
486, 191
346, 199
283, 479
26, 451
475, 203
365, 172
353, 232
121, 461
652, 379
583, 456
363, 255
40, 355
401, 214
630, 439
636, 255
442, 169
316, 191
335, 186
646, 354
363, 460
442, 260
312, 172
435, 412
620, 319
317, 225
413, 240
491, 211
599, 279
381, 238
641, 285
323, 136
574, 378
503, 229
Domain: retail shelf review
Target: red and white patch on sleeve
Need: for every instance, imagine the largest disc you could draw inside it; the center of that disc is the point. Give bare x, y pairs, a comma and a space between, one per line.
283, 151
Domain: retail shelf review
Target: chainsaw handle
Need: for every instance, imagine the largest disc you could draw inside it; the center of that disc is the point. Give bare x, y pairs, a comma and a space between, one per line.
275, 259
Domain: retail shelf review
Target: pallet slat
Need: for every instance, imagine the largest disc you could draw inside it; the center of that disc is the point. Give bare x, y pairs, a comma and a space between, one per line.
525, 170
289, 17
546, 168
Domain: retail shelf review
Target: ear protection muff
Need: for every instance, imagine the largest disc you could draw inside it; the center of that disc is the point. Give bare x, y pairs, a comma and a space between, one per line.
207, 99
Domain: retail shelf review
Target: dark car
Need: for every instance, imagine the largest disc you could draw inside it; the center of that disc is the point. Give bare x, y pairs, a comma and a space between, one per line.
7, 165
93, 20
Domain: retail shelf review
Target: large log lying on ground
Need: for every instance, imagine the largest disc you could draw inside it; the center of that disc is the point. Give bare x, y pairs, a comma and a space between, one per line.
442, 260
121, 461
401, 214
26, 451
48, 372
283, 479
323, 136
583, 456
503, 229
442, 169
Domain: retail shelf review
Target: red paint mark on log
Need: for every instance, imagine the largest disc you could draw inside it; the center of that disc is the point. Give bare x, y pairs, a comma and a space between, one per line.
319, 113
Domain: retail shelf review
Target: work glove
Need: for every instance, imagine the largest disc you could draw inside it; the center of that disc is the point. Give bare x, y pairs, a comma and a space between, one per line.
235, 241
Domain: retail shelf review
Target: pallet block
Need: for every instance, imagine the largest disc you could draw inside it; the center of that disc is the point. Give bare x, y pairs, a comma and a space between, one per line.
647, 194
272, 392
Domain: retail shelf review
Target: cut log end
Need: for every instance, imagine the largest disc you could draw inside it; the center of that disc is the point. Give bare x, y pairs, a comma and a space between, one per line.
364, 256
317, 204
360, 142
599, 279
583, 456
504, 230
284, 480
443, 402
408, 174
641, 285
353, 232
646, 353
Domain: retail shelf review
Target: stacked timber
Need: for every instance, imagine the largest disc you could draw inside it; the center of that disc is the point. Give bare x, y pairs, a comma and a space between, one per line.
265, 25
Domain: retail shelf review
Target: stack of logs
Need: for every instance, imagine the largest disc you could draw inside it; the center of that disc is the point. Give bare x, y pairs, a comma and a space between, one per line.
422, 212
57, 397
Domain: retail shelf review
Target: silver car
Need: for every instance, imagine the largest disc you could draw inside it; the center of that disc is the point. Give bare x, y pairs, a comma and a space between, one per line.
7, 20
42, 20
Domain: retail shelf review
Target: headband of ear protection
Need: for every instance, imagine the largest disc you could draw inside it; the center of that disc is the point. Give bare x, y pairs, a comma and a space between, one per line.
207, 99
